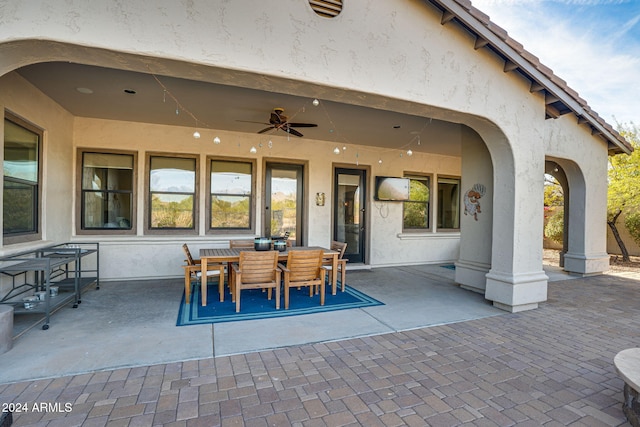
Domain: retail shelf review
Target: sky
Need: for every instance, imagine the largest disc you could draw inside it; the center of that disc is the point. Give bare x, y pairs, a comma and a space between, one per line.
593, 45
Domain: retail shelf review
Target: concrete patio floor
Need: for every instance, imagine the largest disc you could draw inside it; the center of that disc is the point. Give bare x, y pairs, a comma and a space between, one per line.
128, 324
550, 366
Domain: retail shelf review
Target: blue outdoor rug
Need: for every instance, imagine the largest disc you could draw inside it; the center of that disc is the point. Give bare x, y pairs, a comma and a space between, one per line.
255, 305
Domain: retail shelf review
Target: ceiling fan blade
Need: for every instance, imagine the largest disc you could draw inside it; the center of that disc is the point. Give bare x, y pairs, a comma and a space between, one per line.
266, 129
302, 125
250, 121
292, 131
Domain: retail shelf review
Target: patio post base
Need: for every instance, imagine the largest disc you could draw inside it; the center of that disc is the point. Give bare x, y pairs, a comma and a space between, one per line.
586, 265
516, 292
472, 275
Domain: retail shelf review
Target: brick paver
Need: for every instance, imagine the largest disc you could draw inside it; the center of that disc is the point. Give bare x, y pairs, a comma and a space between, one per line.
552, 366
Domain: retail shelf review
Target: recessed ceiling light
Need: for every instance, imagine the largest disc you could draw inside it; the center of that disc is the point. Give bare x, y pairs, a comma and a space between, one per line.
84, 90
130, 91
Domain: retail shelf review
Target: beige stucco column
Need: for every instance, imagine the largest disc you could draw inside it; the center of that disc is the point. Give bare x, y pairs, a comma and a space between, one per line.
516, 280
586, 253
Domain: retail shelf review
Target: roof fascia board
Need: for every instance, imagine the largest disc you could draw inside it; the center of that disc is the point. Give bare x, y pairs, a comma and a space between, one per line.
480, 30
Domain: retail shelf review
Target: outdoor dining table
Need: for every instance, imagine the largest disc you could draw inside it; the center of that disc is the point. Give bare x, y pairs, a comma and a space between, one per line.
229, 255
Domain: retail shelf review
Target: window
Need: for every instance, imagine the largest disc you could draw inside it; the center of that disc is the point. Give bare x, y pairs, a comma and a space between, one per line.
172, 193
448, 203
416, 209
21, 183
231, 195
107, 201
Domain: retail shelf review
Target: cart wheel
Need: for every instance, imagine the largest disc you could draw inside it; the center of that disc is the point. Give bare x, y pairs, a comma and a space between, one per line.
45, 327
75, 305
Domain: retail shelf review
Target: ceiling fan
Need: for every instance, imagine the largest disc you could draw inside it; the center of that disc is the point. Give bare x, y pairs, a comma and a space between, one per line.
278, 121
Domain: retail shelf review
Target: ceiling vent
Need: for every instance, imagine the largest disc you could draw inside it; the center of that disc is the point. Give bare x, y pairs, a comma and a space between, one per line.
326, 8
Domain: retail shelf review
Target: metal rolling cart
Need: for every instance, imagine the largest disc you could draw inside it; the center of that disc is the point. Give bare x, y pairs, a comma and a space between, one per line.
41, 269
78, 278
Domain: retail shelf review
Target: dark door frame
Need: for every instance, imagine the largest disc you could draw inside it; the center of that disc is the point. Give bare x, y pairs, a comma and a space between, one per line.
363, 235
302, 196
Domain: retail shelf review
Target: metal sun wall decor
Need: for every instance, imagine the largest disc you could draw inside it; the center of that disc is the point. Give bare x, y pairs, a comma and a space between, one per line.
471, 200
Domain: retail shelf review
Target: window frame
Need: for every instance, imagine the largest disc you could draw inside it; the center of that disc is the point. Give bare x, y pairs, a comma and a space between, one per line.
429, 205
148, 194
32, 235
251, 230
80, 193
440, 205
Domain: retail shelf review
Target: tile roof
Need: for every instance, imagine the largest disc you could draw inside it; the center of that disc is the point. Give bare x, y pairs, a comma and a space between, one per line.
560, 98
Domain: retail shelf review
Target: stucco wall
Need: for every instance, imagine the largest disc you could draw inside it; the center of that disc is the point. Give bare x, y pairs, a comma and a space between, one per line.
155, 256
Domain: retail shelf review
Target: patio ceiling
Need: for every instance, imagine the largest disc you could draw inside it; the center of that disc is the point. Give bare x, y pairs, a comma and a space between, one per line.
227, 100
205, 105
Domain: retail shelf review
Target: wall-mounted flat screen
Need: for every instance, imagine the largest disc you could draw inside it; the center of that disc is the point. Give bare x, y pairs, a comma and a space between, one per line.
389, 189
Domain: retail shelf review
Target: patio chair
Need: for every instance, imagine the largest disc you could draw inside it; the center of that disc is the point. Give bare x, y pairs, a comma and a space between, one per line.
242, 244
340, 247
256, 270
193, 271
239, 244
304, 268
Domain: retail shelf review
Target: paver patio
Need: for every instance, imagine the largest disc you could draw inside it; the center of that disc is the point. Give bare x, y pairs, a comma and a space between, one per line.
551, 366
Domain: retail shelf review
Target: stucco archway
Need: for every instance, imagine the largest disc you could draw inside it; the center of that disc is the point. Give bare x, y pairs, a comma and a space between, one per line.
503, 259
578, 257
499, 266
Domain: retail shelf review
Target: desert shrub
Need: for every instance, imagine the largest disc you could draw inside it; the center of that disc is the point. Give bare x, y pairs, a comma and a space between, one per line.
632, 222
554, 229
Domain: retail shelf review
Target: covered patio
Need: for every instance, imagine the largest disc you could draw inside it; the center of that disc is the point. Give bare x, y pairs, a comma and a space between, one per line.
462, 112
121, 325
